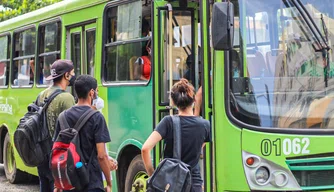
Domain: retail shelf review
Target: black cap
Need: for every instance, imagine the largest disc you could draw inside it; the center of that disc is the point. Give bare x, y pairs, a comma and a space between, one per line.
59, 68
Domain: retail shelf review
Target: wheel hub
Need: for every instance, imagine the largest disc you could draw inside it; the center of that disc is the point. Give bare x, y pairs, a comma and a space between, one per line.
139, 182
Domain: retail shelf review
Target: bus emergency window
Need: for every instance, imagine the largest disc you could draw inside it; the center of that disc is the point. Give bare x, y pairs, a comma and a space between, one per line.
24, 56
5, 48
128, 43
49, 50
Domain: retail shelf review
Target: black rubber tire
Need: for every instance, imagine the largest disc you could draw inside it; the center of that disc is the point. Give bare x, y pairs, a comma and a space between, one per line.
15, 176
136, 166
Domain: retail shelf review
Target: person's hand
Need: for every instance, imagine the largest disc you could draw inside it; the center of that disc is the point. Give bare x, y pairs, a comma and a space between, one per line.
107, 189
57, 190
113, 164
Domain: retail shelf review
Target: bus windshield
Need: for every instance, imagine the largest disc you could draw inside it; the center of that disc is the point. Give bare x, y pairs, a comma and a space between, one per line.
280, 70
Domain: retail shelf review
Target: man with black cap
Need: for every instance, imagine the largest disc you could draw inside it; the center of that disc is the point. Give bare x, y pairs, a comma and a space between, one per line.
62, 74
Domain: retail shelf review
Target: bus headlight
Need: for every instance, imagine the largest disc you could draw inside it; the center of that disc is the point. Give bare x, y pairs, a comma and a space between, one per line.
262, 175
280, 179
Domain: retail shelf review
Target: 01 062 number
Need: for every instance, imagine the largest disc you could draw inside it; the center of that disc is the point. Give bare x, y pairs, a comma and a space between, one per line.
288, 146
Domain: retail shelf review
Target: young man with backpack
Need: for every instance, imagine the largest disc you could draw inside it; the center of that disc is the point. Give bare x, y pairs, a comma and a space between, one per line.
62, 74
86, 129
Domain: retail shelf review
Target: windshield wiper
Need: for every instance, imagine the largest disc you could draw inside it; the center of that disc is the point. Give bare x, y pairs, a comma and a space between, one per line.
325, 55
324, 45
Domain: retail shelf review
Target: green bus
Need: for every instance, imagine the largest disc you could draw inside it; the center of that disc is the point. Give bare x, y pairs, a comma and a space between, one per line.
265, 69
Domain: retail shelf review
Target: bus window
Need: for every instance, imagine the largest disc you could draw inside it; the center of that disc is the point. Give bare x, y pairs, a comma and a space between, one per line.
5, 45
23, 56
128, 43
183, 62
90, 43
76, 52
49, 50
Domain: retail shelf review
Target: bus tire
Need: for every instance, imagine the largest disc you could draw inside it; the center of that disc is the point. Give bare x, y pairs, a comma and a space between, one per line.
12, 173
136, 175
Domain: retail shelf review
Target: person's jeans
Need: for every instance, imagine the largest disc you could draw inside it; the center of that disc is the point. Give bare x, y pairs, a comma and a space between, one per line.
46, 183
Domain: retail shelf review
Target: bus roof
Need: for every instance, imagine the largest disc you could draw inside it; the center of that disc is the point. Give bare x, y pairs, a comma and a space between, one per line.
46, 13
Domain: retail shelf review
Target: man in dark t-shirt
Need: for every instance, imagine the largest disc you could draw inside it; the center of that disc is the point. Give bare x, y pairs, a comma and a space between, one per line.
194, 132
93, 135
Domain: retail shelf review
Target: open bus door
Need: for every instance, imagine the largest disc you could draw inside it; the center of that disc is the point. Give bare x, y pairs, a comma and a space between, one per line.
178, 54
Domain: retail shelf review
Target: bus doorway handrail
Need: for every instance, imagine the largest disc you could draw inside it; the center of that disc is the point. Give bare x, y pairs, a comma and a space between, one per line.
170, 54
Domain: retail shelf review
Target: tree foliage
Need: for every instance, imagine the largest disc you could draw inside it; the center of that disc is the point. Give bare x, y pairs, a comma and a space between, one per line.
13, 8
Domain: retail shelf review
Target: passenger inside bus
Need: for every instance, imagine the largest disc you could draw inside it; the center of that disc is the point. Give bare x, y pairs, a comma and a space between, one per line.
187, 75
3, 76
32, 67
142, 69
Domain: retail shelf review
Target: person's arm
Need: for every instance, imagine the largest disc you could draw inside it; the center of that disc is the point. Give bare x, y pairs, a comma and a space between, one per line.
102, 156
138, 68
198, 101
102, 136
151, 141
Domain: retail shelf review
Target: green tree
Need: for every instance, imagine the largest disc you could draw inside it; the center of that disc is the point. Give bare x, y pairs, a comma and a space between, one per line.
13, 8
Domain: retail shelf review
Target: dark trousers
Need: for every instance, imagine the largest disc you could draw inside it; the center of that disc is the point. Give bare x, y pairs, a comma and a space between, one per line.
46, 183
90, 190
196, 188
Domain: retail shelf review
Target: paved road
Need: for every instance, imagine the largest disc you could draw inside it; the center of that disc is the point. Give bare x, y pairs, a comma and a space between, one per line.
5, 186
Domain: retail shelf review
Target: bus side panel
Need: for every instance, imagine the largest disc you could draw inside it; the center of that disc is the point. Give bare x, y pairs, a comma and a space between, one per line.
227, 138
129, 114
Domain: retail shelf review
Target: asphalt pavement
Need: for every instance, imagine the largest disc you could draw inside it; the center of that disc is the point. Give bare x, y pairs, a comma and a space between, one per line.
5, 186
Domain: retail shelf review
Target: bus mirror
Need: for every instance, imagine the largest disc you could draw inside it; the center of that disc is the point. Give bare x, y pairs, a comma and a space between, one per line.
222, 26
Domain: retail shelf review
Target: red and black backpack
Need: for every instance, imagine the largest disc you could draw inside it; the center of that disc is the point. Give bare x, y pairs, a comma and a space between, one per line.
69, 169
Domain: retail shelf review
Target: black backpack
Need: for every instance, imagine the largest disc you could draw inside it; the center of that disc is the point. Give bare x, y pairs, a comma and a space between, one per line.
32, 137
172, 175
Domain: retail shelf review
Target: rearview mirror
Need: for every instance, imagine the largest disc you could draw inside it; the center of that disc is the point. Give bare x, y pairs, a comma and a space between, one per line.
222, 26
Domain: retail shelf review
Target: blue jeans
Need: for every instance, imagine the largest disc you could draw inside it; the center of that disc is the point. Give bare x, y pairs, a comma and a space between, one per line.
46, 183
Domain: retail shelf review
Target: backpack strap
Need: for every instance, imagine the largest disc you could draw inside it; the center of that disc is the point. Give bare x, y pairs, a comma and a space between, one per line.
176, 137
84, 118
49, 99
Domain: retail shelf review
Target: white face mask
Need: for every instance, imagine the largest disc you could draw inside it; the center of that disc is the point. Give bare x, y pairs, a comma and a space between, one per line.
98, 103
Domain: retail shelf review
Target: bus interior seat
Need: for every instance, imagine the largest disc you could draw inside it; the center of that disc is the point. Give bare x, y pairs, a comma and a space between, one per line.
271, 58
256, 64
132, 61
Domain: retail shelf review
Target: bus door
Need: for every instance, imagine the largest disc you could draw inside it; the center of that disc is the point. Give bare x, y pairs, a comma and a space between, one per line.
177, 54
81, 41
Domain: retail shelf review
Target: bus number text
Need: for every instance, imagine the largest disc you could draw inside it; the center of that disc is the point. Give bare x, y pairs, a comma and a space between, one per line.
288, 146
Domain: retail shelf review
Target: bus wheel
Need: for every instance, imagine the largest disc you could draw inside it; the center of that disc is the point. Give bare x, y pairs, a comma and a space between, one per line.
136, 176
12, 174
